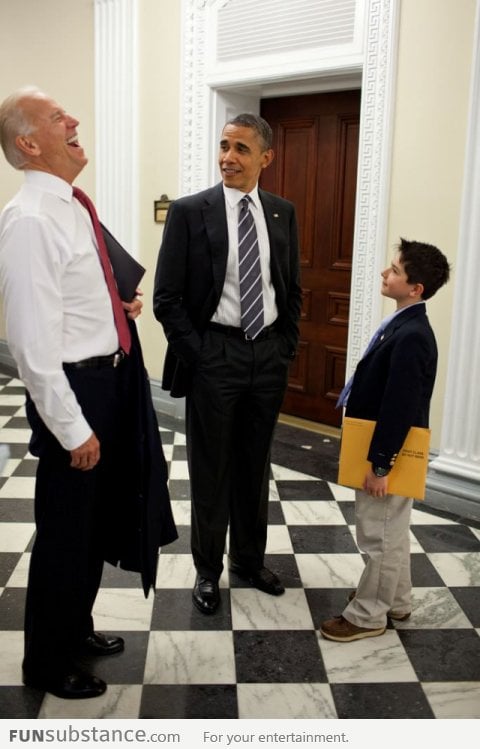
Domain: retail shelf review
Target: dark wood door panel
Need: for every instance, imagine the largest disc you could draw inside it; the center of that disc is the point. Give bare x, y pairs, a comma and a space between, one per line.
316, 147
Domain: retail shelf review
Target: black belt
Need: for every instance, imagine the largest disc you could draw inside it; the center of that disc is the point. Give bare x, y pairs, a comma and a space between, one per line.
97, 362
229, 330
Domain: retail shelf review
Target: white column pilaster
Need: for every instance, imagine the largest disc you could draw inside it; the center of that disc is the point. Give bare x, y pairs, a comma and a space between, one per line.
116, 117
459, 456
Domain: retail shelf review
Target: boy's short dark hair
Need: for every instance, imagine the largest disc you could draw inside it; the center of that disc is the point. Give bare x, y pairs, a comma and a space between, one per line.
257, 123
424, 263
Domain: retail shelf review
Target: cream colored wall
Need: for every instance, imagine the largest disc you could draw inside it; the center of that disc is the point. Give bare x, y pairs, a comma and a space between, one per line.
159, 80
49, 44
435, 56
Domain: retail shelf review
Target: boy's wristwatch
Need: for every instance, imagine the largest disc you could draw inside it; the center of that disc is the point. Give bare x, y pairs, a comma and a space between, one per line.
380, 472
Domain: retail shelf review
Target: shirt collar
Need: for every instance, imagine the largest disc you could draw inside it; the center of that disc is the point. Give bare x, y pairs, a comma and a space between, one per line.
234, 196
49, 183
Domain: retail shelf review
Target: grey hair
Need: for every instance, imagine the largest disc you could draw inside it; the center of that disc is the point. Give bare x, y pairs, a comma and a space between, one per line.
14, 122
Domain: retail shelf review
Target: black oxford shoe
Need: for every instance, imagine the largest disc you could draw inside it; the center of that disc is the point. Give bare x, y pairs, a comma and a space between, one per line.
206, 595
262, 579
99, 644
76, 685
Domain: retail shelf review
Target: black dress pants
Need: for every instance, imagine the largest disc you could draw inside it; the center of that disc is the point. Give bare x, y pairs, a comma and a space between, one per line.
236, 392
73, 511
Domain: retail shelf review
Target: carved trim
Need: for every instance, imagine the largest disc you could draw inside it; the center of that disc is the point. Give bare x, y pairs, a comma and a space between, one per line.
373, 168
380, 46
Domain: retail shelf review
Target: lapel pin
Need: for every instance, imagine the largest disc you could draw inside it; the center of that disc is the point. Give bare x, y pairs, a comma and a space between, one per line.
275, 215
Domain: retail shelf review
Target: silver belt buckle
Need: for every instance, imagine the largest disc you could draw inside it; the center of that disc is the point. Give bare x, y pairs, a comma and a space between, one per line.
118, 357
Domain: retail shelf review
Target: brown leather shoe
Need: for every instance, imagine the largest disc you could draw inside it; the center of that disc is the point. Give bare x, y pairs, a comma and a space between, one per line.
394, 615
341, 630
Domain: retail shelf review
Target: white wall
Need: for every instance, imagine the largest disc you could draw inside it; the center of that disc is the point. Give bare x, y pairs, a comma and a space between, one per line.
435, 57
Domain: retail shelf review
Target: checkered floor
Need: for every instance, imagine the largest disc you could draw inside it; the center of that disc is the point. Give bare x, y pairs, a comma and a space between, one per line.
258, 656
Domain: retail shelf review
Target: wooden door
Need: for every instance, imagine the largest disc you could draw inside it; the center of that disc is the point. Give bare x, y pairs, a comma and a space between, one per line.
315, 166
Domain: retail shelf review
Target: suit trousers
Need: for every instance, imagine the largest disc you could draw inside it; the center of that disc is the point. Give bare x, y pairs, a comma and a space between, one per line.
73, 516
383, 534
235, 395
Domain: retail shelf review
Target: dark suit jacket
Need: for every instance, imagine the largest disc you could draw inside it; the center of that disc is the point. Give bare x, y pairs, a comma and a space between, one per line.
191, 272
393, 383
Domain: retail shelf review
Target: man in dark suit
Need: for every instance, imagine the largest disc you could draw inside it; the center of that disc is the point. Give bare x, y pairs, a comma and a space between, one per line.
392, 386
101, 484
233, 374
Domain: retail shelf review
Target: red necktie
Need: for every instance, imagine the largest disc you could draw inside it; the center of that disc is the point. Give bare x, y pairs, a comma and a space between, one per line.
121, 323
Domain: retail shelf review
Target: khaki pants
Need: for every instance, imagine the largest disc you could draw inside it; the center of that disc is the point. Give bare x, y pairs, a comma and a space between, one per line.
383, 527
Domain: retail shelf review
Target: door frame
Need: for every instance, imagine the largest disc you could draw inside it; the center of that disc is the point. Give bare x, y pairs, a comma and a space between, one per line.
206, 106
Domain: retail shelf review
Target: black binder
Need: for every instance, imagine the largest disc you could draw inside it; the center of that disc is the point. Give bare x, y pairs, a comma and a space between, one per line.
127, 271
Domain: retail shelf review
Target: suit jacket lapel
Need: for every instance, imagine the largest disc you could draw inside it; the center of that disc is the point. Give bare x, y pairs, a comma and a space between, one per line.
215, 218
397, 322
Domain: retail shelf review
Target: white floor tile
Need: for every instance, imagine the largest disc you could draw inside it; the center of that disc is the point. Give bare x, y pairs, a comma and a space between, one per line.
304, 512
374, 659
434, 608
11, 648
120, 609
15, 536
119, 701
278, 540
330, 570
454, 699
252, 609
18, 487
190, 658
458, 569
285, 701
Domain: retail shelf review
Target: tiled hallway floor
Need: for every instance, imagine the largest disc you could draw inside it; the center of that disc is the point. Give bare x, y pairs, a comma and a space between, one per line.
258, 656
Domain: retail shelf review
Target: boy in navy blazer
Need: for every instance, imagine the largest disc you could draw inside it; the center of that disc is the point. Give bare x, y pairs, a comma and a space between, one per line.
392, 386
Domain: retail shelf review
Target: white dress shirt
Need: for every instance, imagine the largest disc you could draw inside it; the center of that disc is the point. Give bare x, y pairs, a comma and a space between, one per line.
56, 303
228, 310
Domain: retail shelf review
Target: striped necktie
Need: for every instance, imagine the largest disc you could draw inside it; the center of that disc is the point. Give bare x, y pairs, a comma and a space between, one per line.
124, 337
250, 272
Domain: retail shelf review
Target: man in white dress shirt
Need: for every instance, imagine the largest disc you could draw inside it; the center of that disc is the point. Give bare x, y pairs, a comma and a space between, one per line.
62, 334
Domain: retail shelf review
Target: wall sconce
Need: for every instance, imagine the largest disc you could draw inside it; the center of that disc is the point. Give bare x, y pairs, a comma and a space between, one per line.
160, 208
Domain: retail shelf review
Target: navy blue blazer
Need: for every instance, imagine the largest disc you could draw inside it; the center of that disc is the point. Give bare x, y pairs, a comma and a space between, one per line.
191, 271
393, 383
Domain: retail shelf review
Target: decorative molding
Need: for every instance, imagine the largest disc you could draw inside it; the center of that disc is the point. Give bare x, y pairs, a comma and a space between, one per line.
116, 107
375, 144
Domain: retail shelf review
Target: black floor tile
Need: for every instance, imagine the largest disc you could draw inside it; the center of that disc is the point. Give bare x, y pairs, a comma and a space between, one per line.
469, 600
322, 539
303, 490
278, 656
12, 606
17, 703
189, 701
443, 654
446, 538
173, 610
8, 562
381, 701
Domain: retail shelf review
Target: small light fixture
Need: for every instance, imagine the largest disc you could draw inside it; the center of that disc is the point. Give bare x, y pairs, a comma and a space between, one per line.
160, 208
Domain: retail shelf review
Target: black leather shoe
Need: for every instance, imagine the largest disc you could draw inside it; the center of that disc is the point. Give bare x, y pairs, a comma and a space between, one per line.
99, 644
206, 595
76, 685
263, 579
